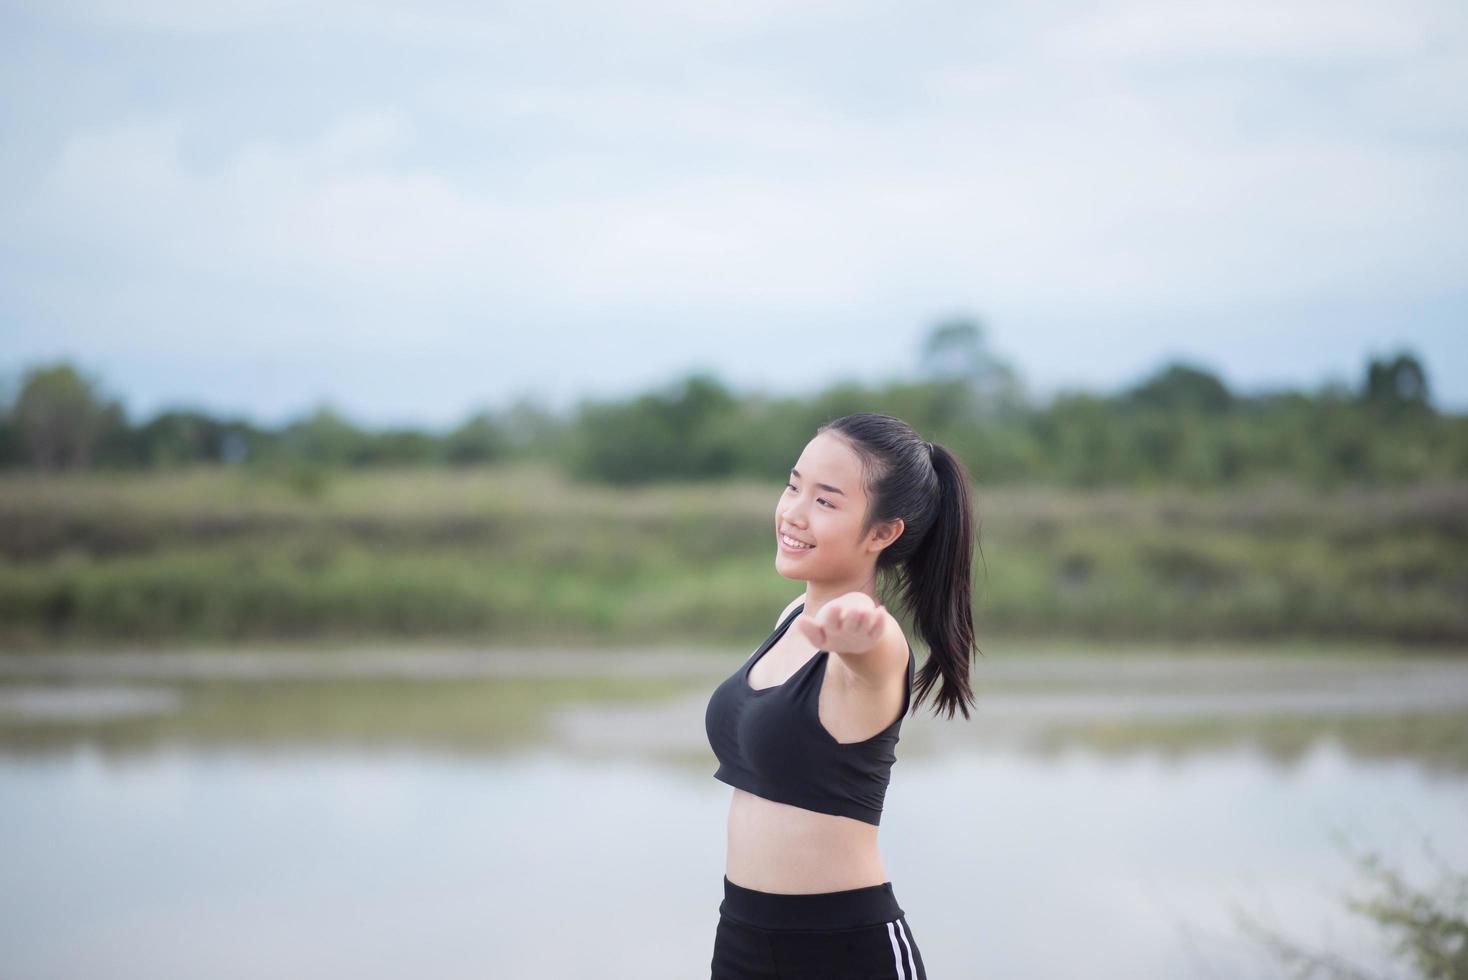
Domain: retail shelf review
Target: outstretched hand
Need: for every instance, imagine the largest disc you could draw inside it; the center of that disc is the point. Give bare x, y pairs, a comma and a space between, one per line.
850, 623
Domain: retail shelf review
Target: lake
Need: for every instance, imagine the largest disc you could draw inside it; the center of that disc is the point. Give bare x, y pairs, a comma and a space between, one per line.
470, 813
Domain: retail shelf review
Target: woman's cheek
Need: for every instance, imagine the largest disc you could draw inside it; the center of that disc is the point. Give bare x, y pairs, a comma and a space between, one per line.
828, 532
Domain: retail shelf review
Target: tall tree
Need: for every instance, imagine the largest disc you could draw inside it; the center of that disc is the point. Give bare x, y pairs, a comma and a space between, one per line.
60, 416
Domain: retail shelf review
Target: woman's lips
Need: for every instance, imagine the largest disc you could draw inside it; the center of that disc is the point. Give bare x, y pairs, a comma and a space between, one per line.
789, 550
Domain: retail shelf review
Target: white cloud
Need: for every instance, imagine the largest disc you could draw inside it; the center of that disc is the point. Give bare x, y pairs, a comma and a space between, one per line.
1298, 29
448, 23
1098, 203
1130, 160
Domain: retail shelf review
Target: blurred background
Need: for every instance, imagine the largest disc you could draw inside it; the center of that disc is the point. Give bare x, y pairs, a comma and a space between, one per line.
394, 402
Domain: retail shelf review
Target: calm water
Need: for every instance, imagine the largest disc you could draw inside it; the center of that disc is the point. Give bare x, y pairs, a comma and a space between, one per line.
464, 814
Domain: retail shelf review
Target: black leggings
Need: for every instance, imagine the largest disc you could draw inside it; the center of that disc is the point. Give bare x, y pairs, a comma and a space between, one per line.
855, 934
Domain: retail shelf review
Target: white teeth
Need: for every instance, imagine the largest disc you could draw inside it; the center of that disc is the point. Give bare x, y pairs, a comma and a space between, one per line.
793, 543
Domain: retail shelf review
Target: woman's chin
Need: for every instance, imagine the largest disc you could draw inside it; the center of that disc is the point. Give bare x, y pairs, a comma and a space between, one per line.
790, 569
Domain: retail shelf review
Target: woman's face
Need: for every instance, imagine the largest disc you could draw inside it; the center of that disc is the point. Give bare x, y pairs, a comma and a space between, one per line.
823, 505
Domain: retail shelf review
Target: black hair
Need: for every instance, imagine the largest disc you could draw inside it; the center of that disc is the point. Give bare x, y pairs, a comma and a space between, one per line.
928, 487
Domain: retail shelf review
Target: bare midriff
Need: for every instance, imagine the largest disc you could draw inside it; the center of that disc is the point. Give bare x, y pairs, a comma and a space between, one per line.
776, 847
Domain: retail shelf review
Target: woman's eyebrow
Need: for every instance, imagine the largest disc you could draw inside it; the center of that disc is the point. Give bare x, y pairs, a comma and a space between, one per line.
823, 486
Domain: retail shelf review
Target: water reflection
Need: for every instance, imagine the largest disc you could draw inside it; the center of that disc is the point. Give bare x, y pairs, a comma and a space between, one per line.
466, 813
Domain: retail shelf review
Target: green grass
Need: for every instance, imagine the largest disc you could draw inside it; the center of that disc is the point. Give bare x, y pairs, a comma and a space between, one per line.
521, 554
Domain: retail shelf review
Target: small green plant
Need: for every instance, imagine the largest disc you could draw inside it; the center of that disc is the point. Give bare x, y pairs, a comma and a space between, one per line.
306, 479
1426, 929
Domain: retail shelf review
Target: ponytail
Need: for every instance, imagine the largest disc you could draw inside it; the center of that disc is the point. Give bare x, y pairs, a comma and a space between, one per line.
937, 587
929, 489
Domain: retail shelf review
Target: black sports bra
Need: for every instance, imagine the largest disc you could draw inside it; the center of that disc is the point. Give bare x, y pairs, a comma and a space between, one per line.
770, 741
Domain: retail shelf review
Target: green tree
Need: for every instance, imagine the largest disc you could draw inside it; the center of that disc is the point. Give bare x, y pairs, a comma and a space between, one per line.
669, 433
956, 355
1396, 386
60, 416
323, 437
1181, 387
184, 436
479, 439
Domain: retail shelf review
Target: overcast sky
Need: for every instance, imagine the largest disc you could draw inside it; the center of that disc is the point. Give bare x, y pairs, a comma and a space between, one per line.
413, 211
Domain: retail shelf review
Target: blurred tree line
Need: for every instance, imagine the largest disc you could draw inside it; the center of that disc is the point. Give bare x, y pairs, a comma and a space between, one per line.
1181, 425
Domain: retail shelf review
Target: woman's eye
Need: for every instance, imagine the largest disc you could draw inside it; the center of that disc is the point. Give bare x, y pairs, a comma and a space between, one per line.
820, 500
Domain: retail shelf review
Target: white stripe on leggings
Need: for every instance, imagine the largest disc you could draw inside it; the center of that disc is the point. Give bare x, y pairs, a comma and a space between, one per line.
896, 950
906, 938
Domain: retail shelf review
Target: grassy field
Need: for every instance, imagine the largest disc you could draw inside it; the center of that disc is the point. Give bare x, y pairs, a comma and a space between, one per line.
522, 555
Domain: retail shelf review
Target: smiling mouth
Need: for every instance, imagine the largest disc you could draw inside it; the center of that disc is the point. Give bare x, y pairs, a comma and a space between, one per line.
793, 544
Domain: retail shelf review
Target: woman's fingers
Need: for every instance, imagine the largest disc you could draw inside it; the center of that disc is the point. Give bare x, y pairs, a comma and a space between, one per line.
838, 620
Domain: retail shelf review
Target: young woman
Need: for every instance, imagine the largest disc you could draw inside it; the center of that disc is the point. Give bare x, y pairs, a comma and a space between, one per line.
805, 730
